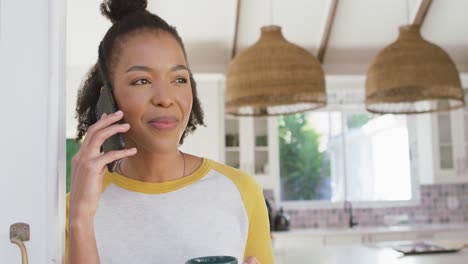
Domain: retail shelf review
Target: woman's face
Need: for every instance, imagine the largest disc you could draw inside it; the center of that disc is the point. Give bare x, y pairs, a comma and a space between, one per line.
152, 87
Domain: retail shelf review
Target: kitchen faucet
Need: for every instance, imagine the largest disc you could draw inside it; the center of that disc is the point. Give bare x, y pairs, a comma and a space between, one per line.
349, 210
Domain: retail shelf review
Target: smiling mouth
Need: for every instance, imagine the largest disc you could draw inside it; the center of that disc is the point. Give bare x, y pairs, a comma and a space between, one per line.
164, 123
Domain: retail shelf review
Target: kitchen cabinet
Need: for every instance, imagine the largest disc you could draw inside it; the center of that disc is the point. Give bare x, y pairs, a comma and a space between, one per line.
251, 144
247, 145
450, 145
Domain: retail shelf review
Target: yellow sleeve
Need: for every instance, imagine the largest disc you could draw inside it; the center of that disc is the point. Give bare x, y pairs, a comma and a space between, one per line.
259, 240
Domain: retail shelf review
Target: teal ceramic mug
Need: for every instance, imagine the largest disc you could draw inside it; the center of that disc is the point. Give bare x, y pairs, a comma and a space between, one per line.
213, 260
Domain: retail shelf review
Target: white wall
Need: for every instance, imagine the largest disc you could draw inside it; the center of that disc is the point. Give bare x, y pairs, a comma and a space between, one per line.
85, 28
75, 76
209, 141
32, 146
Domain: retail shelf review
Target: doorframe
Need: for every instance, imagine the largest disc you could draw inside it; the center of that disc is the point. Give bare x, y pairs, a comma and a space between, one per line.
56, 161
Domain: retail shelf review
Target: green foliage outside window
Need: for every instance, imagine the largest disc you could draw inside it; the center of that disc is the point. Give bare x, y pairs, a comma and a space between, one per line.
72, 148
303, 168
357, 120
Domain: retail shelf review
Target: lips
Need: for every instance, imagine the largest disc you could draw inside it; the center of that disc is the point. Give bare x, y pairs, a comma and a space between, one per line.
164, 122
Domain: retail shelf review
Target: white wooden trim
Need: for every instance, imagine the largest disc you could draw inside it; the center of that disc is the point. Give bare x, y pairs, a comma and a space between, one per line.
413, 142
464, 80
221, 86
56, 161
1, 16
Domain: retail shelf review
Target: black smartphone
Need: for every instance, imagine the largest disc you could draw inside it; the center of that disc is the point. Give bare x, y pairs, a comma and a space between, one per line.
106, 104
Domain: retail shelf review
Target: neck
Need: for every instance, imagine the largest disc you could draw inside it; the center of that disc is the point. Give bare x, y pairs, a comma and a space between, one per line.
154, 167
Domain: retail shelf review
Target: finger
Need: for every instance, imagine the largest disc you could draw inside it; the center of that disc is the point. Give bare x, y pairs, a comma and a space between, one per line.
96, 141
115, 155
105, 121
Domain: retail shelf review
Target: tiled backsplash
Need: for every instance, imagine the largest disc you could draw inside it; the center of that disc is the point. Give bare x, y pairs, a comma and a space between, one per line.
439, 204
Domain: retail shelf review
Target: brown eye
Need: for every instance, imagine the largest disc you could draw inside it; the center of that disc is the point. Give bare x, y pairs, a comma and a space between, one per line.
141, 82
181, 80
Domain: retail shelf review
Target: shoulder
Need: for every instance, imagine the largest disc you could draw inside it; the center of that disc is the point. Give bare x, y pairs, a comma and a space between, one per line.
246, 184
241, 179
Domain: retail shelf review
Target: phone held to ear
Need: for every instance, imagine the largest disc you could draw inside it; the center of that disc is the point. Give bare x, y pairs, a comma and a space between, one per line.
106, 104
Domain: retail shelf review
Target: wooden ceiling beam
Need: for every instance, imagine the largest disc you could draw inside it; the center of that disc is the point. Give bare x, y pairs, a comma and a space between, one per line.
236, 30
422, 12
327, 30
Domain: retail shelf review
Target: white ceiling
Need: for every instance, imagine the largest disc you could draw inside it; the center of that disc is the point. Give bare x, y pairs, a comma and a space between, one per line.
361, 28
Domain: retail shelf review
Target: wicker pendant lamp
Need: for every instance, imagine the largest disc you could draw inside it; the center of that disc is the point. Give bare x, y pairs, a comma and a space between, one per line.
274, 77
412, 76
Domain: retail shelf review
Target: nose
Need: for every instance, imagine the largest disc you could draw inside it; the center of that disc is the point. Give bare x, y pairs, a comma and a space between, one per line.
161, 94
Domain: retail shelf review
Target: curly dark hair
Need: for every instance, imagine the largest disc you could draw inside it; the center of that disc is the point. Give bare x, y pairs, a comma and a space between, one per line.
128, 17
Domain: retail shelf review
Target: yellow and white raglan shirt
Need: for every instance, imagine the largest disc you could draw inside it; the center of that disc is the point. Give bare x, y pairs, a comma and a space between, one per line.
217, 210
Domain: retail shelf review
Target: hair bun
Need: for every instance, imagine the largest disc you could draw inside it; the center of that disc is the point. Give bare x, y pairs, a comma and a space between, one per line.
116, 10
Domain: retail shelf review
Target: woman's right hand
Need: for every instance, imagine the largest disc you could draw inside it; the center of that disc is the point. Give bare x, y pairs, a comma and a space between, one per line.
89, 165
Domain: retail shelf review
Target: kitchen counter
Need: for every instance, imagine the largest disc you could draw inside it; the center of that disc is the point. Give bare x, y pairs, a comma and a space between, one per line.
363, 255
368, 235
367, 244
366, 230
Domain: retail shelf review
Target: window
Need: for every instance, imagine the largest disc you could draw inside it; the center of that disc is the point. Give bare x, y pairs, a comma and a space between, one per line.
344, 155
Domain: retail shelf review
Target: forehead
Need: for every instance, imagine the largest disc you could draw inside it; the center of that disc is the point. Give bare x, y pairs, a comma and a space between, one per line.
150, 48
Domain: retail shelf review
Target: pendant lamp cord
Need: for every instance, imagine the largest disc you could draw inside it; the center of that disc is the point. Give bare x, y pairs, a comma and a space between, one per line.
408, 13
271, 12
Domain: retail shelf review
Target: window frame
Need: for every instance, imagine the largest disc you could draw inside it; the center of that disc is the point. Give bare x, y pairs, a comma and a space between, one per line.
414, 171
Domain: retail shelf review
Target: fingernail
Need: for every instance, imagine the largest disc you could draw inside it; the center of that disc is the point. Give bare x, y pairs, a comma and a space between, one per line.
126, 125
133, 150
118, 112
103, 115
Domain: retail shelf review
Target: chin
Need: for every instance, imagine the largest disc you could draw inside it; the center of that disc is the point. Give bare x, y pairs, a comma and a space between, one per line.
154, 143
161, 145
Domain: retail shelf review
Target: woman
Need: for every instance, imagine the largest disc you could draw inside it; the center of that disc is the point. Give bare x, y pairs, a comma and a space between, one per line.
161, 205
